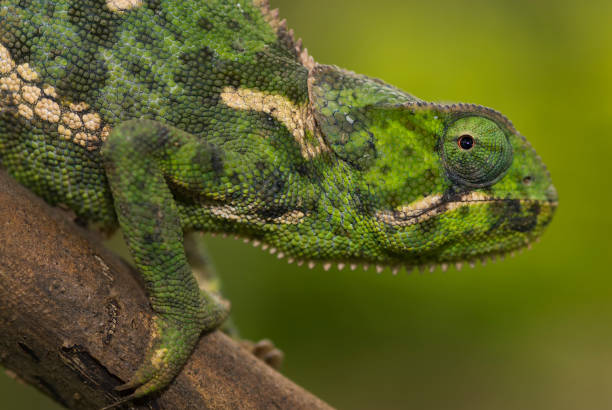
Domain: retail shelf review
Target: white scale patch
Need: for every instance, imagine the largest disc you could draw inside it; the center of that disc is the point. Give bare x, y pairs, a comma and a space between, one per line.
119, 6
428, 207
231, 213
295, 118
34, 100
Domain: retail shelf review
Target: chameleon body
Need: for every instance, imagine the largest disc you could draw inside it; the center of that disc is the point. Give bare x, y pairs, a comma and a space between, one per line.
168, 116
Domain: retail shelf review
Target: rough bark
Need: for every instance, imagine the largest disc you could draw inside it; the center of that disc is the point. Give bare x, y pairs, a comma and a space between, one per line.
75, 322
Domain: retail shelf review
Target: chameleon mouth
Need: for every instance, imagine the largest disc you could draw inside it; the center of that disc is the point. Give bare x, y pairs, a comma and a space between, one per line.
433, 205
428, 207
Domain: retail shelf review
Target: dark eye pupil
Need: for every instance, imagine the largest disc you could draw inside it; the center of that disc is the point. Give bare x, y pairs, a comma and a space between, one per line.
466, 142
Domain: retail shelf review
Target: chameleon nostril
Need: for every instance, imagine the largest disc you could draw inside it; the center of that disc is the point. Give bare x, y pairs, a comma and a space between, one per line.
527, 180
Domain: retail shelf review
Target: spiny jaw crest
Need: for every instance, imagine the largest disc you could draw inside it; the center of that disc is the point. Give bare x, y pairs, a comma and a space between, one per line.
431, 267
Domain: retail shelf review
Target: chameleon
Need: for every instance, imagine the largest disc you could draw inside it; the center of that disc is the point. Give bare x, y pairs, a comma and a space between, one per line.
165, 117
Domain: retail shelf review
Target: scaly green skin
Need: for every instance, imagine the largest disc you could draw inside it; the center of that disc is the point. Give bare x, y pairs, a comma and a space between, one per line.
166, 116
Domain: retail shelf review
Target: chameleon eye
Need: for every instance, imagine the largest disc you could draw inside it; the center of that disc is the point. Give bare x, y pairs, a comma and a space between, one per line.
475, 151
466, 141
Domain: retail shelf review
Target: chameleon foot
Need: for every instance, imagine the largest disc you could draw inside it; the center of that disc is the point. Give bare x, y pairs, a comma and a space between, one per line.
266, 351
172, 345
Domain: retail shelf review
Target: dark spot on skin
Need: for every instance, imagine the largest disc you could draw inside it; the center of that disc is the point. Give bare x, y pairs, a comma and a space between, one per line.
272, 212
513, 206
233, 25
216, 161
154, 5
302, 169
407, 152
209, 157
510, 212
526, 223
527, 180
205, 24
152, 237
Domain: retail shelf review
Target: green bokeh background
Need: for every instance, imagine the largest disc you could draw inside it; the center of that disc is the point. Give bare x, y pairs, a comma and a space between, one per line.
532, 332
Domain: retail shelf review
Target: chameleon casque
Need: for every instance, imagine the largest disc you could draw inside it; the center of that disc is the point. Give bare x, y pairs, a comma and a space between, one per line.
163, 117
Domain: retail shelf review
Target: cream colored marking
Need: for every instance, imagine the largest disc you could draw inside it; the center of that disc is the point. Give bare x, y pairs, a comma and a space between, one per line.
26, 72
22, 89
78, 107
72, 120
6, 62
30, 93
25, 111
291, 218
296, 119
81, 138
158, 357
50, 91
12, 83
64, 132
231, 213
426, 208
105, 132
122, 5
92, 121
226, 212
48, 110
84, 139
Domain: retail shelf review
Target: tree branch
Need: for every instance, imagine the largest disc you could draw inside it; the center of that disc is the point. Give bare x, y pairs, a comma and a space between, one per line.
75, 322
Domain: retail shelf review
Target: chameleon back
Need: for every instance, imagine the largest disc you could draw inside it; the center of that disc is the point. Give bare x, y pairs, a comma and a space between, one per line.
71, 70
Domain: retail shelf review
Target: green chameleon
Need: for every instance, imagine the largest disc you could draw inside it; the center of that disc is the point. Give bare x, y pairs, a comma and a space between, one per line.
164, 117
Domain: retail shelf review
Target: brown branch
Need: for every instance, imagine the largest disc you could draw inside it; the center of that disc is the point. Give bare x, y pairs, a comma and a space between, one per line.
74, 322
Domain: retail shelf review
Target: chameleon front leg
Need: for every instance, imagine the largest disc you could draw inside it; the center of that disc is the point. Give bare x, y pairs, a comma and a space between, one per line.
139, 157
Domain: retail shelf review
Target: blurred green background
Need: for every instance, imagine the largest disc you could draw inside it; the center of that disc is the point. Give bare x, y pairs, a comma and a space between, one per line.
531, 332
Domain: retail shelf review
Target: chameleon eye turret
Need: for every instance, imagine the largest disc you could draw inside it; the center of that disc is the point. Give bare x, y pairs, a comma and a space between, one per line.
475, 151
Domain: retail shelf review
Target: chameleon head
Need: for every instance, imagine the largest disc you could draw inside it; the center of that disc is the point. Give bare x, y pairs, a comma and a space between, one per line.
451, 182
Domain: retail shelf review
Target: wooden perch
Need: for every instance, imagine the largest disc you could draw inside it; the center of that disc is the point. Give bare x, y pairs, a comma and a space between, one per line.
75, 322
